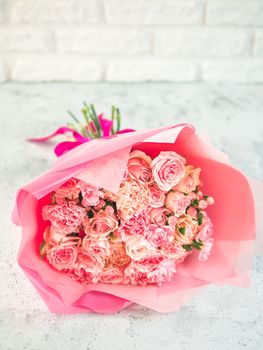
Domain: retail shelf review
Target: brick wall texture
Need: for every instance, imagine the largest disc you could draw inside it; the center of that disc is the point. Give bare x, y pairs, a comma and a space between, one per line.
131, 40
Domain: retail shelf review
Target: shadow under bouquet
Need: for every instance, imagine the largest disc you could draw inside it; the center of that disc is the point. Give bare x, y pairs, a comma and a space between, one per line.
144, 217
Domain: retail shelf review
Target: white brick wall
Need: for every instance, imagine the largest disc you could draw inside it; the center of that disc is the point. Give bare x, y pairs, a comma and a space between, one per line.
258, 47
104, 40
154, 12
131, 40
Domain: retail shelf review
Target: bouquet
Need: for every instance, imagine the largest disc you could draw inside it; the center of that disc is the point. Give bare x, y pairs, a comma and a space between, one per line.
129, 217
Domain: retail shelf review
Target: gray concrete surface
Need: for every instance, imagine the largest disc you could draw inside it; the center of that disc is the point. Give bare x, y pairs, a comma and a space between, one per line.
218, 318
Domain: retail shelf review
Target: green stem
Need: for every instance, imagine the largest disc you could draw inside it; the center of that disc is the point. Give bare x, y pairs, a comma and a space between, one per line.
95, 119
118, 119
90, 131
113, 109
73, 117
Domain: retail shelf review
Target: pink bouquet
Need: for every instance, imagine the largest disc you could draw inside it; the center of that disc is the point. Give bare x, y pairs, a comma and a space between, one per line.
138, 217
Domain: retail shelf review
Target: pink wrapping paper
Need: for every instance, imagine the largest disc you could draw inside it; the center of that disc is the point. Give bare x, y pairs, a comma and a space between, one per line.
102, 163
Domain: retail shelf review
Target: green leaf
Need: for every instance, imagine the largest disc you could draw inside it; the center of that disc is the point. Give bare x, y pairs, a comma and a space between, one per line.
112, 236
196, 189
87, 128
73, 234
90, 214
195, 202
182, 230
187, 247
200, 218
197, 244
42, 248
80, 197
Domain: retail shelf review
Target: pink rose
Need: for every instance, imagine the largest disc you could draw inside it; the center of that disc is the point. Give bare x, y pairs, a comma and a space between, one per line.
173, 250
206, 249
112, 275
192, 212
101, 225
90, 259
62, 258
158, 216
190, 181
139, 167
100, 205
172, 221
168, 169
98, 246
158, 235
91, 194
118, 254
177, 202
138, 248
157, 197
64, 217
205, 230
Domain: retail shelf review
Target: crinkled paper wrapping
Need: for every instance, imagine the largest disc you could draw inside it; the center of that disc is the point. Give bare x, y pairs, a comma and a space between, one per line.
102, 163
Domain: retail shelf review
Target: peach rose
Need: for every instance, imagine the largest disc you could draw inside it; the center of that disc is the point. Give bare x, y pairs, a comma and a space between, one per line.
158, 216
168, 170
52, 236
71, 241
139, 167
177, 202
186, 229
90, 259
96, 246
62, 258
118, 254
190, 181
138, 248
101, 225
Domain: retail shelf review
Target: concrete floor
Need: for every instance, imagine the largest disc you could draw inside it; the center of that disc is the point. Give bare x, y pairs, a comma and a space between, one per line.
218, 318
